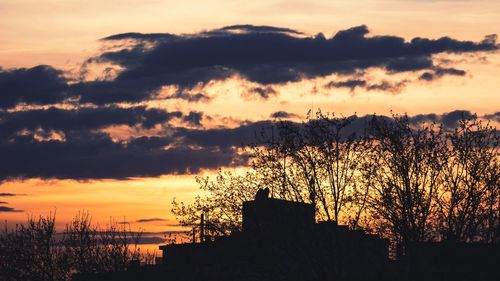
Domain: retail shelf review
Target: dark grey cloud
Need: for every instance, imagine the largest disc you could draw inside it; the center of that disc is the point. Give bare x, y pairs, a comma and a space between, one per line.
263, 93
263, 54
448, 119
266, 55
82, 118
495, 116
252, 133
387, 86
351, 84
283, 114
439, 72
96, 156
150, 220
92, 155
248, 28
188, 96
10, 194
240, 28
424, 118
384, 85
39, 85
224, 138
4, 209
193, 118
140, 36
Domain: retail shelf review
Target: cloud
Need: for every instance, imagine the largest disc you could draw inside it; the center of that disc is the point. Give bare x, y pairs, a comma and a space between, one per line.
224, 138
248, 28
241, 28
150, 220
264, 55
263, 93
194, 118
39, 85
439, 72
387, 86
93, 155
62, 132
383, 86
351, 84
97, 156
140, 36
495, 116
190, 97
283, 115
86, 154
4, 209
10, 194
93, 118
450, 119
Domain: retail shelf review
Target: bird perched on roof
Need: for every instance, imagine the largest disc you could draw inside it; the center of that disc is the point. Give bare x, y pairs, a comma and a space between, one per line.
262, 193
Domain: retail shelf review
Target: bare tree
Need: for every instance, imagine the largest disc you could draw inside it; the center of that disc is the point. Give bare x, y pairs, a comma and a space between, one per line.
30, 252
316, 161
469, 201
220, 202
341, 156
405, 175
409, 182
36, 252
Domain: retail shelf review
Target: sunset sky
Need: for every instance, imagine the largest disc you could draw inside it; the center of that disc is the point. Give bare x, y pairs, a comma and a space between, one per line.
113, 106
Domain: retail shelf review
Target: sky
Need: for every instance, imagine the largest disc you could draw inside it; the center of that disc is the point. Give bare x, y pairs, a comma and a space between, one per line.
114, 106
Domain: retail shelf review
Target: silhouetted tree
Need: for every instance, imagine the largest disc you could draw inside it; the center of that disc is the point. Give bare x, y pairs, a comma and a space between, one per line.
31, 252
91, 249
469, 200
35, 251
411, 182
317, 161
221, 202
405, 176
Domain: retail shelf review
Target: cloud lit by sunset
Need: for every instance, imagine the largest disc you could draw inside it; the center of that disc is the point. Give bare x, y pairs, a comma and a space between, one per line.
114, 107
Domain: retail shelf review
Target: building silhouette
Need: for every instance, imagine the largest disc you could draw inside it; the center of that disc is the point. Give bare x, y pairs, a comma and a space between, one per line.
280, 240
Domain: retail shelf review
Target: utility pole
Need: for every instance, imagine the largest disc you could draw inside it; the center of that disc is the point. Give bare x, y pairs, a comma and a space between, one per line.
202, 228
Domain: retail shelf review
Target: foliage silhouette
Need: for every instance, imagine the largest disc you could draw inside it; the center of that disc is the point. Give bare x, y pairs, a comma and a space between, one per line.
36, 251
407, 181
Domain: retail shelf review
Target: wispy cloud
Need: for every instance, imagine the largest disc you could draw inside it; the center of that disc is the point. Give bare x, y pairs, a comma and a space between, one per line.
4, 209
150, 220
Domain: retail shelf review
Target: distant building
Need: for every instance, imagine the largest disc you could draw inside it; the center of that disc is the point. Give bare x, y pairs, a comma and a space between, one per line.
281, 240
446, 261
